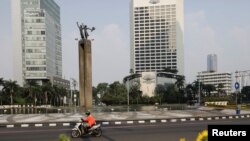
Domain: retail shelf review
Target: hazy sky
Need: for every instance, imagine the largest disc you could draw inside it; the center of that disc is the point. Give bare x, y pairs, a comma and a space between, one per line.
220, 27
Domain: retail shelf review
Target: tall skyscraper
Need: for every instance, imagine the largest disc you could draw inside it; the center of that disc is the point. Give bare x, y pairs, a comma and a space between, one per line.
36, 40
212, 63
157, 28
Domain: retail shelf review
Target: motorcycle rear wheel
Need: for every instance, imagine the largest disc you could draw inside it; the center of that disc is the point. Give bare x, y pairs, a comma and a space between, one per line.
75, 133
98, 132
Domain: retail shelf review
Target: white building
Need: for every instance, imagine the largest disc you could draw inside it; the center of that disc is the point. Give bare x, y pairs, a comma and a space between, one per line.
157, 28
215, 78
36, 40
212, 63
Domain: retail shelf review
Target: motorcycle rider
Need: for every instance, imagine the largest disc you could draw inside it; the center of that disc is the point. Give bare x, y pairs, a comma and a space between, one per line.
89, 121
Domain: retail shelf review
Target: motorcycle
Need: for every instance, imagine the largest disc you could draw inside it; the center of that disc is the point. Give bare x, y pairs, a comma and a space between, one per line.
80, 130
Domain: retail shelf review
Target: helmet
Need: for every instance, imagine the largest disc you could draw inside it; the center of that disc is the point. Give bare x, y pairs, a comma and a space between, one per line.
87, 112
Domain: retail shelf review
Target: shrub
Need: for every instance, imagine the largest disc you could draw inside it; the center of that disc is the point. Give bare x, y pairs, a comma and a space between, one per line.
63, 137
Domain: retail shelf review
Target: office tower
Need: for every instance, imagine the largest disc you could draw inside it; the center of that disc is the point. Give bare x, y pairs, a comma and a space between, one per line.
212, 63
36, 40
157, 28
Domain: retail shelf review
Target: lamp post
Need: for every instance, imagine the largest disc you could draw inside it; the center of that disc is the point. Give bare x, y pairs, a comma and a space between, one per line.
199, 77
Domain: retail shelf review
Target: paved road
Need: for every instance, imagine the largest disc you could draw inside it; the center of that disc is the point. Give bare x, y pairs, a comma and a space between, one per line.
146, 132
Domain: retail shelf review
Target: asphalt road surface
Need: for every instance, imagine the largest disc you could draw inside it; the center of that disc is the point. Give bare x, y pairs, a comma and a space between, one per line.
146, 132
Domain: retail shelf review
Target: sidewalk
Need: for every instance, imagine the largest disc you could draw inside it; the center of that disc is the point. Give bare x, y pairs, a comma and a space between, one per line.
118, 116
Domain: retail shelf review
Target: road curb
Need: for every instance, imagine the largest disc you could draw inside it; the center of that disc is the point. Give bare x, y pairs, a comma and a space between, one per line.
123, 122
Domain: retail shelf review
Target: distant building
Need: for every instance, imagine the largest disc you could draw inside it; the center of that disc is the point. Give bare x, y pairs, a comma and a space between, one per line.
212, 77
212, 63
157, 28
36, 40
215, 78
156, 37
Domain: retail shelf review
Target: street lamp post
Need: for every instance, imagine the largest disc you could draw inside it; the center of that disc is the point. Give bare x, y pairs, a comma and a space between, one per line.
128, 94
199, 77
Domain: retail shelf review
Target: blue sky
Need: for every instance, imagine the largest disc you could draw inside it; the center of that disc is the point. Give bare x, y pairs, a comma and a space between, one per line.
211, 26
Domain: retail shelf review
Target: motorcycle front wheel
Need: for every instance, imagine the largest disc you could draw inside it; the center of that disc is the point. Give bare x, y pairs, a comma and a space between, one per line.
75, 133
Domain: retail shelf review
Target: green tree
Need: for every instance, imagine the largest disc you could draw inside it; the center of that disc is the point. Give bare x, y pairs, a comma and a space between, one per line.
117, 94
160, 91
47, 91
170, 96
10, 87
32, 87
246, 93
119, 91
102, 88
1, 94
134, 92
180, 80
209, 88
190, 91
220, 89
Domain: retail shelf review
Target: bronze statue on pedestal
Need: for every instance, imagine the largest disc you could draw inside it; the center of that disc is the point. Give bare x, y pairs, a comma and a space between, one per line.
84, 30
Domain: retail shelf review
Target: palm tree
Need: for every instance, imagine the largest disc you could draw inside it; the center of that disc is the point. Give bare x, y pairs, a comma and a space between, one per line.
180, 80
55, 95
1, 84
10, 87
134, 91
62, 93
190, 90
32, 87
47, 91
220, 88
1, 81
209, 88
160, 91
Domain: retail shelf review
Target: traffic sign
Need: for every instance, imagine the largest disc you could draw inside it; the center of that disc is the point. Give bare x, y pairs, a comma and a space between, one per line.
237, 85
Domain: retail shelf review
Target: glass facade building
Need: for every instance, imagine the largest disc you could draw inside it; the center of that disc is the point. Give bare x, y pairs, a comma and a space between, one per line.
36, 40
212, 62
156, 35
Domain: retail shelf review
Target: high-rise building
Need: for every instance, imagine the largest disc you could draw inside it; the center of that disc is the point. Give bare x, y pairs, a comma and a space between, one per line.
157, 28
212, 63
36, 40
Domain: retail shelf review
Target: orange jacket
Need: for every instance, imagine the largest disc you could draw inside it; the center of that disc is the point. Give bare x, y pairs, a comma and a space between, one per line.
90, 120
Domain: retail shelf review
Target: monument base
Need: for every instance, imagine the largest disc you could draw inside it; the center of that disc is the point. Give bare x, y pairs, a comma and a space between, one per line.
85, 70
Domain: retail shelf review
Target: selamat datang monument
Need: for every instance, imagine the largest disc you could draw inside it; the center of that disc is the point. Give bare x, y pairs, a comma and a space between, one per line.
85, 67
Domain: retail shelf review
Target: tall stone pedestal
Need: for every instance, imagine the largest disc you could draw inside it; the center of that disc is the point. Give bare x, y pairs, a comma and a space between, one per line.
85, 74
